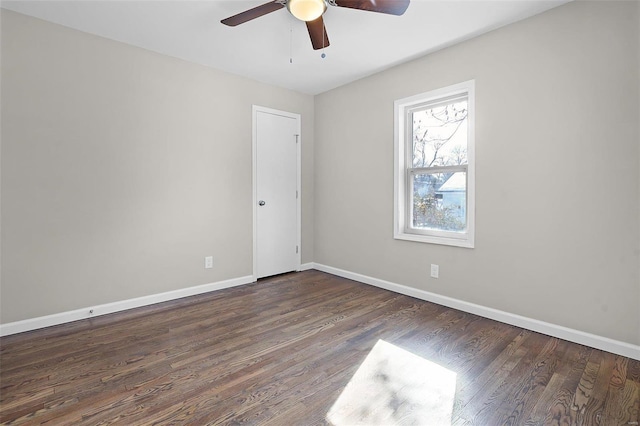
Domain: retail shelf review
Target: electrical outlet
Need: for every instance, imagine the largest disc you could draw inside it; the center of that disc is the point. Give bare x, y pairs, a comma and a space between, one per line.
208, 262
435, 271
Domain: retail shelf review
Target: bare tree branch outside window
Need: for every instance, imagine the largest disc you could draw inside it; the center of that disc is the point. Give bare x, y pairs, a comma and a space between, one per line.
439, 140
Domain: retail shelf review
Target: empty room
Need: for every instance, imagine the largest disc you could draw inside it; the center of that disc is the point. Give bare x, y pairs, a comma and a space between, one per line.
300, 212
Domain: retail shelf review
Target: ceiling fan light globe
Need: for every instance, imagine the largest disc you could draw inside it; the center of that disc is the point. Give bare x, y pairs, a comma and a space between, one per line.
307, 10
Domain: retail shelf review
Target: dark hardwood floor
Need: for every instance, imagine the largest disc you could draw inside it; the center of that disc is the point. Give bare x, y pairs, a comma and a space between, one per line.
282, 352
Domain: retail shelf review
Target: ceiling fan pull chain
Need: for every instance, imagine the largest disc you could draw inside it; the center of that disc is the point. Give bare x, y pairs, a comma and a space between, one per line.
290, 44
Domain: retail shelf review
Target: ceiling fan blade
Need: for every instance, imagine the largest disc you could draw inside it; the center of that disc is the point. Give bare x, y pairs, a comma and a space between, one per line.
318, 34
254, 13
391, 7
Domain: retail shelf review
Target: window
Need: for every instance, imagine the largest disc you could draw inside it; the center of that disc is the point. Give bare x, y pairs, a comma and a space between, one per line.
434, 166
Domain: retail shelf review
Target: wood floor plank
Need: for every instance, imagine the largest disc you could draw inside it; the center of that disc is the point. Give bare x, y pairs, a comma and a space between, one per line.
283, 350
521, 400
561, 411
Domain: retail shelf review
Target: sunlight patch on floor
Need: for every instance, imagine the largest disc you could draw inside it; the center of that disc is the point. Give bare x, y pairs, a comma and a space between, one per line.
393, 387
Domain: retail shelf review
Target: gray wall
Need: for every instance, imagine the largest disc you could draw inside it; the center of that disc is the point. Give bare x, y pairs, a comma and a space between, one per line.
557, 150
638, 122
122, 169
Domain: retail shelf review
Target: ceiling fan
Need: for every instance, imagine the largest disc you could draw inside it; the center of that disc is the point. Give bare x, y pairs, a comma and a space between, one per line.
311, 11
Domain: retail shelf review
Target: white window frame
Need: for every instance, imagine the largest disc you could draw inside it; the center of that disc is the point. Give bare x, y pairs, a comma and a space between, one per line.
403, 171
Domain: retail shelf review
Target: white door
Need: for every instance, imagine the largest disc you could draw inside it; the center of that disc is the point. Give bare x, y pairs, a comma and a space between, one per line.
276, 196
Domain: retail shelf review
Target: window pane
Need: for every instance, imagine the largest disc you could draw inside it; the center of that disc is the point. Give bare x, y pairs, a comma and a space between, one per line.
440, 135
440, 201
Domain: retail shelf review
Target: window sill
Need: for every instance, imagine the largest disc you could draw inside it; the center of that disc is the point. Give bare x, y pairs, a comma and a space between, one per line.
431, 239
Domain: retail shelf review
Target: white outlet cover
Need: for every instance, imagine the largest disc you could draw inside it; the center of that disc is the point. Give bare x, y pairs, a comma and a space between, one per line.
435, 271
208, 262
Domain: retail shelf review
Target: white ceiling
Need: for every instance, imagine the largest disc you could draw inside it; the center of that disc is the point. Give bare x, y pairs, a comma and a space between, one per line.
362, 43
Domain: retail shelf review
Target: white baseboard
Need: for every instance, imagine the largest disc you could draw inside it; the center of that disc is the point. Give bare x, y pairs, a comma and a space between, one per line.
306, 266
576, 336
109, 308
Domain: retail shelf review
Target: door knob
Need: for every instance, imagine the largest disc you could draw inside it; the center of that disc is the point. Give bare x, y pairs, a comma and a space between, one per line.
261, 203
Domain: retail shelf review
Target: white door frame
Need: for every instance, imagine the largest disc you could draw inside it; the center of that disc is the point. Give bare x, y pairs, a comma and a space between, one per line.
255, 110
